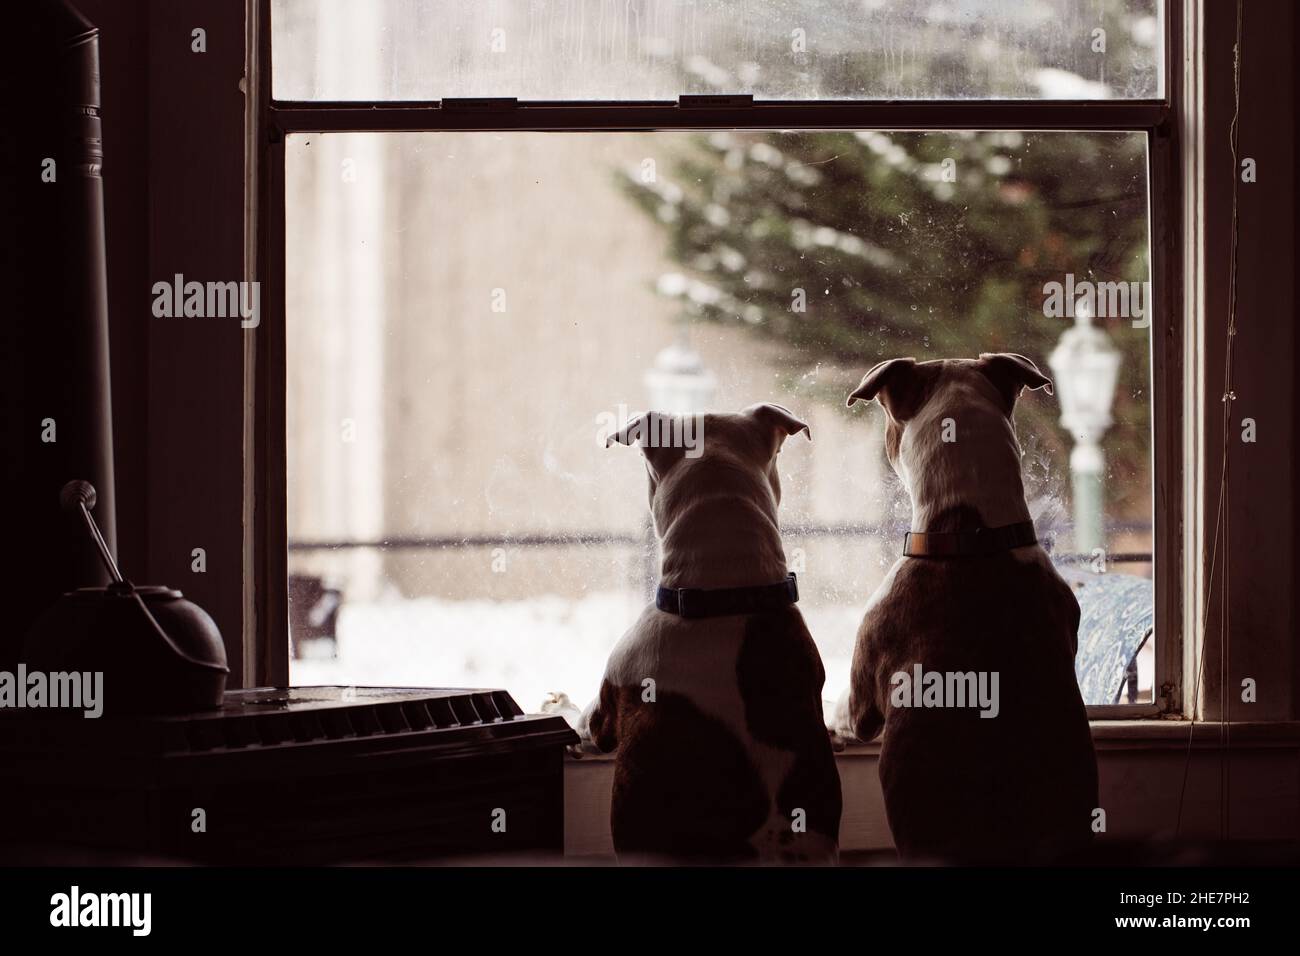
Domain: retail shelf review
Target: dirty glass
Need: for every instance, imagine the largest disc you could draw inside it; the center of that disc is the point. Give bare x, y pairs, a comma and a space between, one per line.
658, 49
469, 312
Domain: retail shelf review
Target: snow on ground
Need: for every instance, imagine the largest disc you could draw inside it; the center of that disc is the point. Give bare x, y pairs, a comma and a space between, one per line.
530, 647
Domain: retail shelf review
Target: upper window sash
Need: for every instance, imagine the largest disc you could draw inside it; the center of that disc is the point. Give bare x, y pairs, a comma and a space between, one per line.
777, 50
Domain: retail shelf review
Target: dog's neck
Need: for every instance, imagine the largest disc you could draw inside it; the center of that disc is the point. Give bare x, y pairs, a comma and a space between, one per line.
968, 483
722, 541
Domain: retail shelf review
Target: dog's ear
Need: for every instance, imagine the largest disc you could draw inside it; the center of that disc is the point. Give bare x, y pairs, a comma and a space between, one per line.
632, 430
780, 419
655, 433
1010, 373
897, 384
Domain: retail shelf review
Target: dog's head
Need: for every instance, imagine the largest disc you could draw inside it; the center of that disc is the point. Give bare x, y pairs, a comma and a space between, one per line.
691, 456
950, 409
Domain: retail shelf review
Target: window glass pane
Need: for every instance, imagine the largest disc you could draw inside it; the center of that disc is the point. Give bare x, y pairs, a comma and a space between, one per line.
467, 313
657, 49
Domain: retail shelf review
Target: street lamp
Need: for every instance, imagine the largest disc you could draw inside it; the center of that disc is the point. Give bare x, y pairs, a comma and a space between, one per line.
1085, 365
678, 383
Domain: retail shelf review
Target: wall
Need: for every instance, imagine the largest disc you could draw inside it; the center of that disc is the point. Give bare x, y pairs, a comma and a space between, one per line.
1261, 539
173, 176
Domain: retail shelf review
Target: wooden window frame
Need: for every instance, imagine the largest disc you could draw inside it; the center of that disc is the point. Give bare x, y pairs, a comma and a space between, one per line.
1177, 516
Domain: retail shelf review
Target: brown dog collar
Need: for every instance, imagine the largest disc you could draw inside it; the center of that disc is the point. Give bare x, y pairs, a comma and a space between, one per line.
968, 544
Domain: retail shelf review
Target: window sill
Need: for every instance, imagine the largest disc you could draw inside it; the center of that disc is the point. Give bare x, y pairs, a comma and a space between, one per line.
1125, 735
1140, 765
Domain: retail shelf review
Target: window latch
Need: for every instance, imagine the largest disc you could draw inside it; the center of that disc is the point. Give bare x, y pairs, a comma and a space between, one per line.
480, 103
697, 101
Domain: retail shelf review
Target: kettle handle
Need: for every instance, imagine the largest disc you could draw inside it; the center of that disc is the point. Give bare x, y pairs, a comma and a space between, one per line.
166, 638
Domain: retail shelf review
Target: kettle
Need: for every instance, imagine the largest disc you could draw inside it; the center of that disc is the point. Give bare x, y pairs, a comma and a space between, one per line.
158, 652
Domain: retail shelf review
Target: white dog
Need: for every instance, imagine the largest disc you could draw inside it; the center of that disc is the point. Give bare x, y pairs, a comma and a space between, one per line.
713, 698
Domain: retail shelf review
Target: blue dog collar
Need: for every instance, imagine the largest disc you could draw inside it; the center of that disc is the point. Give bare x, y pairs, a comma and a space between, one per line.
720, 602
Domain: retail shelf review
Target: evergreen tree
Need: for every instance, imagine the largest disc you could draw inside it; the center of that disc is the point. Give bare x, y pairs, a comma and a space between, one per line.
855, 247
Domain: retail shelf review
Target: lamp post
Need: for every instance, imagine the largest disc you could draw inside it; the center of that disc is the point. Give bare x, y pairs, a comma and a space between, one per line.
678, 383
1085, 365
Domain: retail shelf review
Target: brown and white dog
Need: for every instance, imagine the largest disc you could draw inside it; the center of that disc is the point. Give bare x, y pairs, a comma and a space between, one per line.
713, 697
1008, 779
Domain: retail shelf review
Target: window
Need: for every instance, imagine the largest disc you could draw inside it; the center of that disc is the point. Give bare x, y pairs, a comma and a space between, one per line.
776, 50
469, 301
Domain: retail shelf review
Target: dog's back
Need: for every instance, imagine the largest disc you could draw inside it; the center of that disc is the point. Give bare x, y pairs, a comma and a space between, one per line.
716, 716
1017, 787
724, 757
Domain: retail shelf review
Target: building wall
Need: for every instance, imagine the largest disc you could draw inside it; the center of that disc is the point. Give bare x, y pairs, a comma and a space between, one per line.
474, 421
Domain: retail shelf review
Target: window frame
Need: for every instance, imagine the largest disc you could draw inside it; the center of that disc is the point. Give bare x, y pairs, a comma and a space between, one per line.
1176, 519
